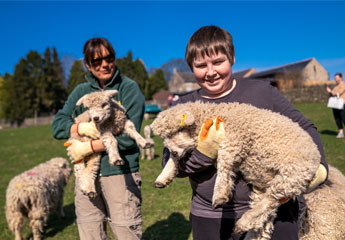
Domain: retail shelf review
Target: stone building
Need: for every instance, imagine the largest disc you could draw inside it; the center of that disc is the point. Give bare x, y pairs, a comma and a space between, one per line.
182, 82
294, 75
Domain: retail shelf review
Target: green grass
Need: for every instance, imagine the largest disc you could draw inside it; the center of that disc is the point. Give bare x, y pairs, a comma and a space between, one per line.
165, 211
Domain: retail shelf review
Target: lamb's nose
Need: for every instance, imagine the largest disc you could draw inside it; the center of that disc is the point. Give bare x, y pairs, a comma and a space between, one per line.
96, 119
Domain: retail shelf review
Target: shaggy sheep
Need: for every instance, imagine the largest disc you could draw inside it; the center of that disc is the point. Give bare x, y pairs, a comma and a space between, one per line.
34, 194
110, 118
150, 151
265, 147
323, 210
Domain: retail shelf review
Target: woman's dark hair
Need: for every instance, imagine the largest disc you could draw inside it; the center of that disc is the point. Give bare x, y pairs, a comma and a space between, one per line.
93, 47
339, 74
209, 40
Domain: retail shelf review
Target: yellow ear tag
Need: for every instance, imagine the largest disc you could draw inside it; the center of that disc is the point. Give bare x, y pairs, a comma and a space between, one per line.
119, 102
182, 120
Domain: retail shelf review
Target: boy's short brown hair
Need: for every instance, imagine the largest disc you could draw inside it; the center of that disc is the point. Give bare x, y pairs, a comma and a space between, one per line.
209, 40
93, 46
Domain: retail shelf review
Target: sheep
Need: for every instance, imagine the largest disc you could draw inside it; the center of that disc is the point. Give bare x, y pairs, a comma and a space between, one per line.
274, 154
150, 151
34, 194
110, 118
323, 210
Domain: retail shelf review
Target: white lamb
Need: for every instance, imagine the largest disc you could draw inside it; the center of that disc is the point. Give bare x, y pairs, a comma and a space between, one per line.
149, 152
275, 156
34, 194
110, 118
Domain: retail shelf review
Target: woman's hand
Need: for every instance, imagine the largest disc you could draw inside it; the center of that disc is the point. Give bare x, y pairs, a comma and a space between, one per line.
78, 150
88, 129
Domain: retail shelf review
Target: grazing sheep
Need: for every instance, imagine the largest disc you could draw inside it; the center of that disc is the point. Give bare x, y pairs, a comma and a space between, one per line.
34, 194
323, 210
110, 118
274, 154
150, 151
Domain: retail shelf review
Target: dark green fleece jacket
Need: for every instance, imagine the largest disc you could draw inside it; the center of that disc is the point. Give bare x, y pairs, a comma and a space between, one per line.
129, 96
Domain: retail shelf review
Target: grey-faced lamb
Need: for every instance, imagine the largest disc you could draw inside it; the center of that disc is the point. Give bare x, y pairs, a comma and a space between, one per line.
34, 194
110, 118
274, 154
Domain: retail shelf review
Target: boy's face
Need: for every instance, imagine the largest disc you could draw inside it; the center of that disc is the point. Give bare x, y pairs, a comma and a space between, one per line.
213, 74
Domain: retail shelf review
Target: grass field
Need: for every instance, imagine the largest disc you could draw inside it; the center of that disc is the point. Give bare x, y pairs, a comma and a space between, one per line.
165, 211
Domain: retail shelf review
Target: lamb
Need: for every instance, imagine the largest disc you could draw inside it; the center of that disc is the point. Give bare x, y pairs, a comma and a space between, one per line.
323, 210
34, 194
150, 151
110, 118
275, 156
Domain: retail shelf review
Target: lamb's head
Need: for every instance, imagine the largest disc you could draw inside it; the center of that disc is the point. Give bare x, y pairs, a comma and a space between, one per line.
62, 165
100, 105
177, 127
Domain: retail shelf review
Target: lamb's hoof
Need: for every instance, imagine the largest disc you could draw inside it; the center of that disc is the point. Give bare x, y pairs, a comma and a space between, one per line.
92, 195
118, 162
219, 202
244, 225
159, 185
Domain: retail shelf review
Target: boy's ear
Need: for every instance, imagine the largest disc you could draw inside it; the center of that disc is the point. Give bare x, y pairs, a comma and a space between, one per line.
110, 93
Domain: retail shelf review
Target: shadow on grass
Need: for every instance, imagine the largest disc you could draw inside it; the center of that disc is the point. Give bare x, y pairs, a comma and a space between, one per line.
56, 225
176, 227
329, 132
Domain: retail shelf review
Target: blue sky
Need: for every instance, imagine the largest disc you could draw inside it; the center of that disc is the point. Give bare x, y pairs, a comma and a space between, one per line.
266, 34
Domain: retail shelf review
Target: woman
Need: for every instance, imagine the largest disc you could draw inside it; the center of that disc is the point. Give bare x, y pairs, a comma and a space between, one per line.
118, 187
339, 114
210, 54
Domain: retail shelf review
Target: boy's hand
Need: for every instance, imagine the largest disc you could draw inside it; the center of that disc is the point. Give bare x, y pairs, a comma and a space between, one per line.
210, 136
320, 177
88, 129
77, 150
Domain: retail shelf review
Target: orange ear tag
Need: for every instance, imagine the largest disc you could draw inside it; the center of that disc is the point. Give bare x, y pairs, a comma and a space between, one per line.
205, 129
67, 144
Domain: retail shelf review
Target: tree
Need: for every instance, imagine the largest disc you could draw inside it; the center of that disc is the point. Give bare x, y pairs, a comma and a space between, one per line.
134, 69
156, 83
76, 75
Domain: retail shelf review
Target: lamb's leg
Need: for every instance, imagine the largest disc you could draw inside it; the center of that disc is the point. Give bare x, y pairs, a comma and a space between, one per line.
38, 218
168, 174
88, 176
282, 186
142, 153
15, 220
110, 144
225, 175
150, 153
132, 132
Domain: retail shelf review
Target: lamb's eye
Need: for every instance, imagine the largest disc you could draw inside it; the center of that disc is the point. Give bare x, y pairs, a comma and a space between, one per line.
104, 105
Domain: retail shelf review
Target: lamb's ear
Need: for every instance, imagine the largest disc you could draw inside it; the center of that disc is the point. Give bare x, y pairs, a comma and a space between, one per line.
187, 119
110, 93
81, 100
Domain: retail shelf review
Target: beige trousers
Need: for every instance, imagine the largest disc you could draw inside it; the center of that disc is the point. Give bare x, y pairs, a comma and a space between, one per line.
118, 201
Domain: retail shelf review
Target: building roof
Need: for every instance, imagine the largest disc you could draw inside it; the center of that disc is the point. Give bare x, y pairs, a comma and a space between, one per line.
243, 73
281, 69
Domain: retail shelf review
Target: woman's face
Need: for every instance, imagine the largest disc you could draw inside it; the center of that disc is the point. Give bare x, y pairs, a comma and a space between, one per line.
213, 74
338, 79
102, 67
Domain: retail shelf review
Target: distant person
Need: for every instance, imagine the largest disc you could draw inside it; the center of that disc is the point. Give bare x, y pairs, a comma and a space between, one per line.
339, 114
118, 187
210, 54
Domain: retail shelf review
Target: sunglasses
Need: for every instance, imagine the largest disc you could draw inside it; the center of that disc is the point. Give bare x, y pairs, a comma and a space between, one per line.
98, 61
